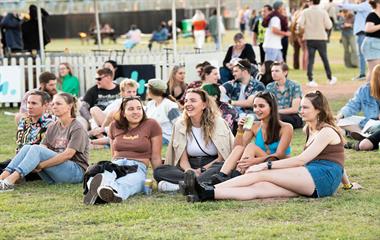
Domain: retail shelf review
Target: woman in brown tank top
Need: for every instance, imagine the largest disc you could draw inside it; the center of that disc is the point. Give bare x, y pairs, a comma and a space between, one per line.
316, 172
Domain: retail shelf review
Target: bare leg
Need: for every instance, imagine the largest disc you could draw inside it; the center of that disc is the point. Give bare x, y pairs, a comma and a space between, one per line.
366, 145
230, 163
255, 191
254, 151
14, 177
345, 179
4, 175
296, 179
98, 115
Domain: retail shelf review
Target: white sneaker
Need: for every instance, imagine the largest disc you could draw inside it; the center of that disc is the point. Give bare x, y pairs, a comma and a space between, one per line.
333, 80
165, 186
312, 84
5, 186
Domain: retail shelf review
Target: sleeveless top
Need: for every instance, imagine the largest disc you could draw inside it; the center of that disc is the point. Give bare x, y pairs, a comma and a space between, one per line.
259, 141
332, 152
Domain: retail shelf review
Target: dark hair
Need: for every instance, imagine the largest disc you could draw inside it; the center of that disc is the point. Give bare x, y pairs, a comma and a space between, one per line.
316, 2
122, 122
45, 97
274, 126
202, 64
244, 65
112, 62
70, 99
284, 66
373, 3
269, 7
238, 36
206, 71
104, 71
325, 116
46, 77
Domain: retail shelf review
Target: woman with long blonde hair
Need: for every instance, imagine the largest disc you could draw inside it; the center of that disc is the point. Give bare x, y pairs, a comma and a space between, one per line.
176, 83
200, 141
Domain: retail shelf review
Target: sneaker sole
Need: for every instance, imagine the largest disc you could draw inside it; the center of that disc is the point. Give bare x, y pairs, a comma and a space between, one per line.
108, 195
92, 193
7, 190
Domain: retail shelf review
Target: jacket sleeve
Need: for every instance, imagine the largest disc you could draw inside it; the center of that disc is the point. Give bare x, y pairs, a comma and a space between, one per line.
227, 58
170, 155
354, 105
250, 54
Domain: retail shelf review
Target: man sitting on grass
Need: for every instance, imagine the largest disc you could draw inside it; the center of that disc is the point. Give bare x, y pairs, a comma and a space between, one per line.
31, 128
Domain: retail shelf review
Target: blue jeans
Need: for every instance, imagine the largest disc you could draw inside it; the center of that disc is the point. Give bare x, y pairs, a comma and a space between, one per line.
359, 40
273, 54
132, 183
28, 158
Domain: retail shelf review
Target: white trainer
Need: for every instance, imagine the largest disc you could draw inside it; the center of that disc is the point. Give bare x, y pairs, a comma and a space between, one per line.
312, 84
164, 186
333, 80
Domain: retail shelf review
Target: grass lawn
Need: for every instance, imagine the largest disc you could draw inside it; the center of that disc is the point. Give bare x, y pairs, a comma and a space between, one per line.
36, 210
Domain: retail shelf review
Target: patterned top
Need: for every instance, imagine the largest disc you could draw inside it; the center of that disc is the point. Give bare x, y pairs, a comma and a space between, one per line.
285, 98
229, 114
31, 133
233, 89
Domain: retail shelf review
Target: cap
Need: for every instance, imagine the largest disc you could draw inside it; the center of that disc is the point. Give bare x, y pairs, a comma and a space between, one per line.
157, 84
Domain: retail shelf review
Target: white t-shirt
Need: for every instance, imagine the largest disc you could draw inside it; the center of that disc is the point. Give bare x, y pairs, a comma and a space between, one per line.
165, 114
192, 147
114, 106
272, 40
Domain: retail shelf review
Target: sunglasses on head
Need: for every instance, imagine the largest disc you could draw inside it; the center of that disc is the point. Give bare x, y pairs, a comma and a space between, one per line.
126, 99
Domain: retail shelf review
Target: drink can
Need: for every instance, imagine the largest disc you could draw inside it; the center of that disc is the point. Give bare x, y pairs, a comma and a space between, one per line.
148, 186
248, 122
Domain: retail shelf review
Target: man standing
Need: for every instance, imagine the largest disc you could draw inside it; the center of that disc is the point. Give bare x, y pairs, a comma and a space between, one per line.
314, 21
259, 31
32, 127
48, 84
288, 94
361, 10
273, 34
101, 95
241, 90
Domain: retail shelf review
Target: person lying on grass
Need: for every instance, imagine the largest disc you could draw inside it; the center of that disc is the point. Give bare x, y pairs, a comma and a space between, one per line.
62, 156
135, 141
316, 172
272, 137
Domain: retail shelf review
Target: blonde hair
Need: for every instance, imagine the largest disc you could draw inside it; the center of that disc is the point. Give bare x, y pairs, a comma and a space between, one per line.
127, 82
375, 82
209, 115
172, 81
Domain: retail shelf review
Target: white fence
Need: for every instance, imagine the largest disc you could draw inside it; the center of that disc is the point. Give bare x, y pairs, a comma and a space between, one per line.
84, 66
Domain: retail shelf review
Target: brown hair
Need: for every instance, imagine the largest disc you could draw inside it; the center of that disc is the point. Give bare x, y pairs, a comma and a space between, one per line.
375, 82
121, 120
172, 81
104, 71
373, 3
274, 125
60, 79
207, 71
159, 93
70, 99
46, 77
45, 97
325, 116
209, 115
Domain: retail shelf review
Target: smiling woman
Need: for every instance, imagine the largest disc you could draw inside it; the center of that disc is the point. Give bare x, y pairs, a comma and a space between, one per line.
201, 140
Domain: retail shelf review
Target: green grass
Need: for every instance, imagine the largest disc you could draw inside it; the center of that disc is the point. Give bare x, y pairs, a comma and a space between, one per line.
36, 210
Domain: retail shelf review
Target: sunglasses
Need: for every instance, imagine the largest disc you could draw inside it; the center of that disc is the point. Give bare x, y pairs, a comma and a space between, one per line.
99, 78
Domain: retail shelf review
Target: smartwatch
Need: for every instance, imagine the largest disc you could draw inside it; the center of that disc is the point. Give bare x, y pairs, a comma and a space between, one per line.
269, 164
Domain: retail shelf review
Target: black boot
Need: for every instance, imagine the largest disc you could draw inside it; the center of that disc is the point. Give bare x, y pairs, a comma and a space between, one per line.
219, 178
199, 191
187, 186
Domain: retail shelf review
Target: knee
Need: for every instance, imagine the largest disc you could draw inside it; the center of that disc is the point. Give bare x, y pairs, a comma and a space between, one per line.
94, 110
366, 145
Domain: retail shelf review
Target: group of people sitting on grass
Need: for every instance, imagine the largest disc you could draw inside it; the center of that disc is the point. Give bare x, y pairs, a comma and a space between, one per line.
224, 141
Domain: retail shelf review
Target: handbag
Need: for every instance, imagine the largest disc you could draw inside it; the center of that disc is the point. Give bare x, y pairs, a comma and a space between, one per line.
199, 162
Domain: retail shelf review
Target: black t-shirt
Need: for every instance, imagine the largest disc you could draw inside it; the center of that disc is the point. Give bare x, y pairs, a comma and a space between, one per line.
372, 17
101, 97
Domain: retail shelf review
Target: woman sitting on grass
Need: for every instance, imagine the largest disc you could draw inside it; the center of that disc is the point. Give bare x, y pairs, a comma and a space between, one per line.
63, 153
201, 140
272, 137
315, 173
135, 140
67, 82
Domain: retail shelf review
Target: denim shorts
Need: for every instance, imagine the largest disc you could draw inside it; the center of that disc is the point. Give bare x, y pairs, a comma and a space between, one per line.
326, 175
371, 48
273, 54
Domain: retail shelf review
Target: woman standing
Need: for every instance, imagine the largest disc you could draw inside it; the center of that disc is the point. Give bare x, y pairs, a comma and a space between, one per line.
201, 140
318, 169
62, 156
67, 82
135, 140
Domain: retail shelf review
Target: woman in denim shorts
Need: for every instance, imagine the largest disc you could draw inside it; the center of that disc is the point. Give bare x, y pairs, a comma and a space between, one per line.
316, 172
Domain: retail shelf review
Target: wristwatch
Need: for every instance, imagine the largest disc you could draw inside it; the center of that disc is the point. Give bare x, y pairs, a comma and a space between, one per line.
203, 169
269, 164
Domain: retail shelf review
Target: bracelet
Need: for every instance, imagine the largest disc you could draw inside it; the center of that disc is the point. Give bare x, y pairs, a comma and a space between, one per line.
347, 186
